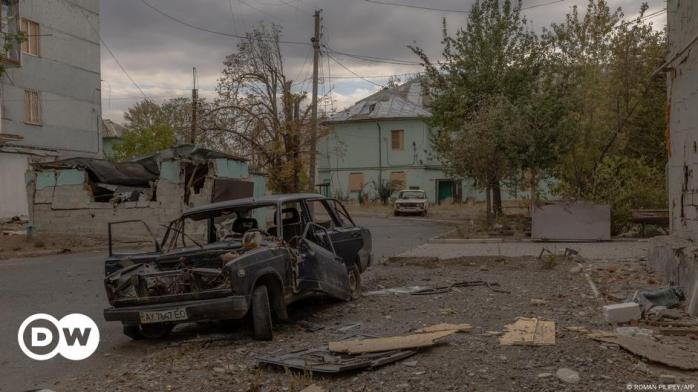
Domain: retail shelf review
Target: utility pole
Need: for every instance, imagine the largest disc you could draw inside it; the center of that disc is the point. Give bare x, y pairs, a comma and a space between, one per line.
313, 113
194, 109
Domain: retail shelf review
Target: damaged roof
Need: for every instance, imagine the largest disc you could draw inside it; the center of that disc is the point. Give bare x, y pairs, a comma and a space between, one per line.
137, 172
405, 101
110, 129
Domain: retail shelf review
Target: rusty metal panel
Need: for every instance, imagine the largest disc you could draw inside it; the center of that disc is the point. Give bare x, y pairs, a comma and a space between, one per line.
571, 221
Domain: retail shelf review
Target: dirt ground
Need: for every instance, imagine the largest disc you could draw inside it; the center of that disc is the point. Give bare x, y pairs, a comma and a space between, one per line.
15, 243
207, 358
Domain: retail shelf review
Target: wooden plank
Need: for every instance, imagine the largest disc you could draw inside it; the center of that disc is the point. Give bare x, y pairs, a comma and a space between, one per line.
446, 327
529, 332
389, 343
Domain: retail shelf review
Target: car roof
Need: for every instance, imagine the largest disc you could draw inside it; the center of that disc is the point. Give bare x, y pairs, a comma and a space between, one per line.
412, 190
252, 201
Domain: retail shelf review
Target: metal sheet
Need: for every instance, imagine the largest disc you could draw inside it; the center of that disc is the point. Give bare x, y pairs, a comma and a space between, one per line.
571, 221
321, 360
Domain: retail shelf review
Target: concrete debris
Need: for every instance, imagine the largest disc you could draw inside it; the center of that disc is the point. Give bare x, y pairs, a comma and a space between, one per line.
567, 375
622, 313
529, 332
634, 331
544, 375
646, 347
538, 302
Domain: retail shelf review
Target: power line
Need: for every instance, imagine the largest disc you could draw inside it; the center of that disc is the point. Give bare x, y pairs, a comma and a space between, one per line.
373, 58
116, 60
204, 29
381, 2
352, 72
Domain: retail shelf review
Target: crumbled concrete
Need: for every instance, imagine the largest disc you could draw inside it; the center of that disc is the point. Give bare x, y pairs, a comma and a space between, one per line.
622, 313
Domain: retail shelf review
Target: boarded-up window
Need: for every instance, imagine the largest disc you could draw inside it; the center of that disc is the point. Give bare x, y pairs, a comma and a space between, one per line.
31, 32
356, 182
398, 139
399, 179
32, 107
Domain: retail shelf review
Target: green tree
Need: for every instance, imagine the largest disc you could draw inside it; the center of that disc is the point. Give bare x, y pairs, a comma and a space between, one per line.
605, 67
137, 142
615, 107
494, 60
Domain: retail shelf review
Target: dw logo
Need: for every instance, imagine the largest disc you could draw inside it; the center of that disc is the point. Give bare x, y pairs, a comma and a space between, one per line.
42, 337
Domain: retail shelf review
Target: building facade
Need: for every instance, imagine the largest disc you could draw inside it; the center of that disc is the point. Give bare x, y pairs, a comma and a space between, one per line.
50, 94
384, 138
675, 257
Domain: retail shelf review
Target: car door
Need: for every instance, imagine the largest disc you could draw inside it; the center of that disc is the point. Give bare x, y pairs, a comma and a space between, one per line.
346, 235
320, 268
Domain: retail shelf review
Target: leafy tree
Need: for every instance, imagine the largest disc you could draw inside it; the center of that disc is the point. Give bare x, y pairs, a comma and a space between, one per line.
614, 106
142, 141
494, 60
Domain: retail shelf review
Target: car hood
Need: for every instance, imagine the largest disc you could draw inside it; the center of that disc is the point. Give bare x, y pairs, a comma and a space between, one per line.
410, 200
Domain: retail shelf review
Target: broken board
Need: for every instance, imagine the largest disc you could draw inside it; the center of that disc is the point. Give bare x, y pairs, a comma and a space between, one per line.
321, 360
670, 355
528, 332
445, 327
389, 343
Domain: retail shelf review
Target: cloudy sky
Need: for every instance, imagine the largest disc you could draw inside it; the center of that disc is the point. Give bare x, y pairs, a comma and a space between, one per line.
158, 53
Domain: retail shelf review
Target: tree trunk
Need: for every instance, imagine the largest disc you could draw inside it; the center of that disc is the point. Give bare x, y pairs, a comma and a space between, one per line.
488, 197
533, 187
496, 198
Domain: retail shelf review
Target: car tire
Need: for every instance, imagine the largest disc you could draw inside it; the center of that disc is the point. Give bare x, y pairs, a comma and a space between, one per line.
355, 282
395, 213
261, 314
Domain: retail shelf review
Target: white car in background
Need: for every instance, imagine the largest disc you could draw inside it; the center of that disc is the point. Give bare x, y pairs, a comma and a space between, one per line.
411, 201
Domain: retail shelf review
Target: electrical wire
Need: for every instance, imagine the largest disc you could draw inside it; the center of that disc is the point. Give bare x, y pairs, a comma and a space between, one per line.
204, 29
451, 10
116, 60
373, 59
352, 72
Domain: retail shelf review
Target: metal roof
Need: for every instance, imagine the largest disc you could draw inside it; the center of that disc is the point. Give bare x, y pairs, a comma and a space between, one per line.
249, 201
112, 129
404, 101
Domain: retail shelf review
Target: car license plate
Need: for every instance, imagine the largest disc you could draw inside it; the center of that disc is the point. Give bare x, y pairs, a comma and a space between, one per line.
163, 316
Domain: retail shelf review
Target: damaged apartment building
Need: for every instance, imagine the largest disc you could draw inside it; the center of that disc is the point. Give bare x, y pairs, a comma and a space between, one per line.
676, 256
82, 195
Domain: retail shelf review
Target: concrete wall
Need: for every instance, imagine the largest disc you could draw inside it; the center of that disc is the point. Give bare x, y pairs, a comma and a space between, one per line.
674, 257
63, 203
67, 76
682, 79
675, 260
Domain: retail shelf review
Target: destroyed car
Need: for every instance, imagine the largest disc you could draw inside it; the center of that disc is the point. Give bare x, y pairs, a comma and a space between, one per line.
228, 260
411, 201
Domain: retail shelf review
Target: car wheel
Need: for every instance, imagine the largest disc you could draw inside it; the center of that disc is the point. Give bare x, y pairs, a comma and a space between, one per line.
355, 282
395, 213
261, 314
132, 331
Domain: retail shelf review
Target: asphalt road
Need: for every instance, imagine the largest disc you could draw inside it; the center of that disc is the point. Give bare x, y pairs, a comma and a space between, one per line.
64, 284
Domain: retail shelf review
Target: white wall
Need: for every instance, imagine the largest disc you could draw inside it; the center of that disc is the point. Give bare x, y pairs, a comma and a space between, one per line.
13, 192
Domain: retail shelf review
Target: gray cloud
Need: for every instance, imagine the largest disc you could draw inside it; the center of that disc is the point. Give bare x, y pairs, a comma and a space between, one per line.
159, 53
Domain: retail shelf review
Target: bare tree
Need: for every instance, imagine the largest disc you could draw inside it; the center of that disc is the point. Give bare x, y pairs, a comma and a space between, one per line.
260, 113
